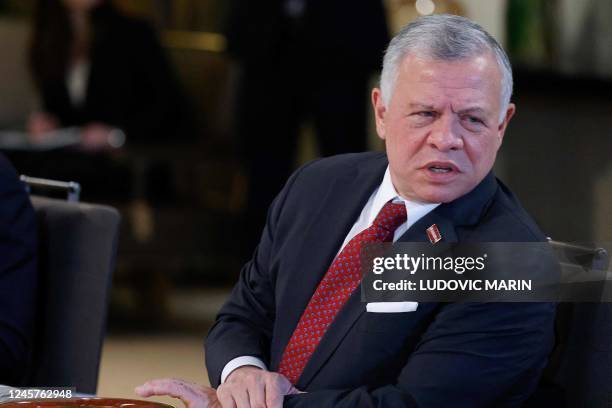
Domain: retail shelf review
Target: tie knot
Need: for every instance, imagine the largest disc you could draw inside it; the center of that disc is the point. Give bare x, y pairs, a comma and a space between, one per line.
391, 216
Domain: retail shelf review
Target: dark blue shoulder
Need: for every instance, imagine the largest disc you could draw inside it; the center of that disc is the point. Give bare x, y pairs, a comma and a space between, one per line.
341, 164
506, 220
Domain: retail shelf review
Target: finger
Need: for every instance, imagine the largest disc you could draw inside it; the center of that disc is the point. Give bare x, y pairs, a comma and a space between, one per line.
257, 395
286, 387
183, 390
146, 389
195, 396
158, 387
241, 398
226, 400
274, 397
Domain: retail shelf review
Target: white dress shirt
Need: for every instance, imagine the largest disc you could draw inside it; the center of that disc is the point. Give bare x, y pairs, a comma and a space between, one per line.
385, 192
77, 79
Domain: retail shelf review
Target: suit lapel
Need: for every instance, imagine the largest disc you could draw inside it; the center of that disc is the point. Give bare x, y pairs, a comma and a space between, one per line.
418, 231
466, 210
338, 209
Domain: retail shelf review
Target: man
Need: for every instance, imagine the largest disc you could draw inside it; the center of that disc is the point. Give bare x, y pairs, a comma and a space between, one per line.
442, 108
18, 276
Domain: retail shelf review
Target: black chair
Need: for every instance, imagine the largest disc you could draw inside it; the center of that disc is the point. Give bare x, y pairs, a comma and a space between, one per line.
579, 371
77, 250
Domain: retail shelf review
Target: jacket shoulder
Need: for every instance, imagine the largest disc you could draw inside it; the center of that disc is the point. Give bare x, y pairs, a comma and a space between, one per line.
339, 165
506, 220
308, 184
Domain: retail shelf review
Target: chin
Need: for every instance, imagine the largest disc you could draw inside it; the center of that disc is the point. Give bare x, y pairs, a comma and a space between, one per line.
439, 195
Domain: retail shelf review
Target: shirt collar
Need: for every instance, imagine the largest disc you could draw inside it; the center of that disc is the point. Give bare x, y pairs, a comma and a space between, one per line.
386, 191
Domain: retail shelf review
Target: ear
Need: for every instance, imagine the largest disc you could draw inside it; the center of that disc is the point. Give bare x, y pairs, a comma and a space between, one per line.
504, 124
379, 112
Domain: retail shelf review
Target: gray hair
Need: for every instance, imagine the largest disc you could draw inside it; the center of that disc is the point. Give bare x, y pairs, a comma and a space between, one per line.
443, 37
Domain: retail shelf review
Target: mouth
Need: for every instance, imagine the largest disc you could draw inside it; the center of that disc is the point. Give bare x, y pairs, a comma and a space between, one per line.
441, 167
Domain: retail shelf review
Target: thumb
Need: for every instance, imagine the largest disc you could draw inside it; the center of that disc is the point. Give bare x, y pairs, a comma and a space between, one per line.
143, 391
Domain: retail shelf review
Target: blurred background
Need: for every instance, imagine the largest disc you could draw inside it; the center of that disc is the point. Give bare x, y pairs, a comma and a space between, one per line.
217, 101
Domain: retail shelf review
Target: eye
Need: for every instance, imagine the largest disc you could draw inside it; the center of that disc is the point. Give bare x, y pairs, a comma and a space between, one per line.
472, 123
422, 118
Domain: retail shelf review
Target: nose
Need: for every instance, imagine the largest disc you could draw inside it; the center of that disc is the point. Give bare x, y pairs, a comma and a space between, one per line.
445, 136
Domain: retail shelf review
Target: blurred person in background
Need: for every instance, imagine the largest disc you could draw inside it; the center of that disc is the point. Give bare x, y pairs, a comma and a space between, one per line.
101, 71
98, 69
18, 276
299, 60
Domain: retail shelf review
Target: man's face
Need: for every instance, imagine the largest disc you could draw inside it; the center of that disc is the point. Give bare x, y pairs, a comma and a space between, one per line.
441, 126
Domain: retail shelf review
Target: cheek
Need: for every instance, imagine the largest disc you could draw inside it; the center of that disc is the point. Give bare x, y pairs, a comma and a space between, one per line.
402, 152
404, 143
481, 152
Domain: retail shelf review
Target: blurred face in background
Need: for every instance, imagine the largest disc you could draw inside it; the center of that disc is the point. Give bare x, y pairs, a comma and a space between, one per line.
442, 125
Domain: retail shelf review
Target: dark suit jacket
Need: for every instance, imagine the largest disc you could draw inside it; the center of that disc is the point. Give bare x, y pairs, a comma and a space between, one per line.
131, 85
17, 275
456, 354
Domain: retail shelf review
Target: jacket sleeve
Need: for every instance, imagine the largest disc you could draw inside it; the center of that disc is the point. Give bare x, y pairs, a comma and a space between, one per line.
472, 355
244, 324
17, 275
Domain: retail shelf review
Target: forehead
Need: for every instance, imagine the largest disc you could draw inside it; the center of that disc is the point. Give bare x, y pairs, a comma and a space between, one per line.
470, 80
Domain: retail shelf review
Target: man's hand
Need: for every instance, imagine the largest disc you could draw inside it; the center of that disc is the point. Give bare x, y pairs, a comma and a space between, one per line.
192, 395
253, 387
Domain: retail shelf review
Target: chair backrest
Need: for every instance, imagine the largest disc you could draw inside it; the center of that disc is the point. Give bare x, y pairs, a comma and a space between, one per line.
78, 244
579, 372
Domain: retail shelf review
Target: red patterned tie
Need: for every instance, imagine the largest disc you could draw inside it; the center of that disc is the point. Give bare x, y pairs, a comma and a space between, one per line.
341, 279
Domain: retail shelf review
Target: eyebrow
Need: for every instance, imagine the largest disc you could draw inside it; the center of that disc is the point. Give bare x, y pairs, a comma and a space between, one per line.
474, 109
471, 109
417, 105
